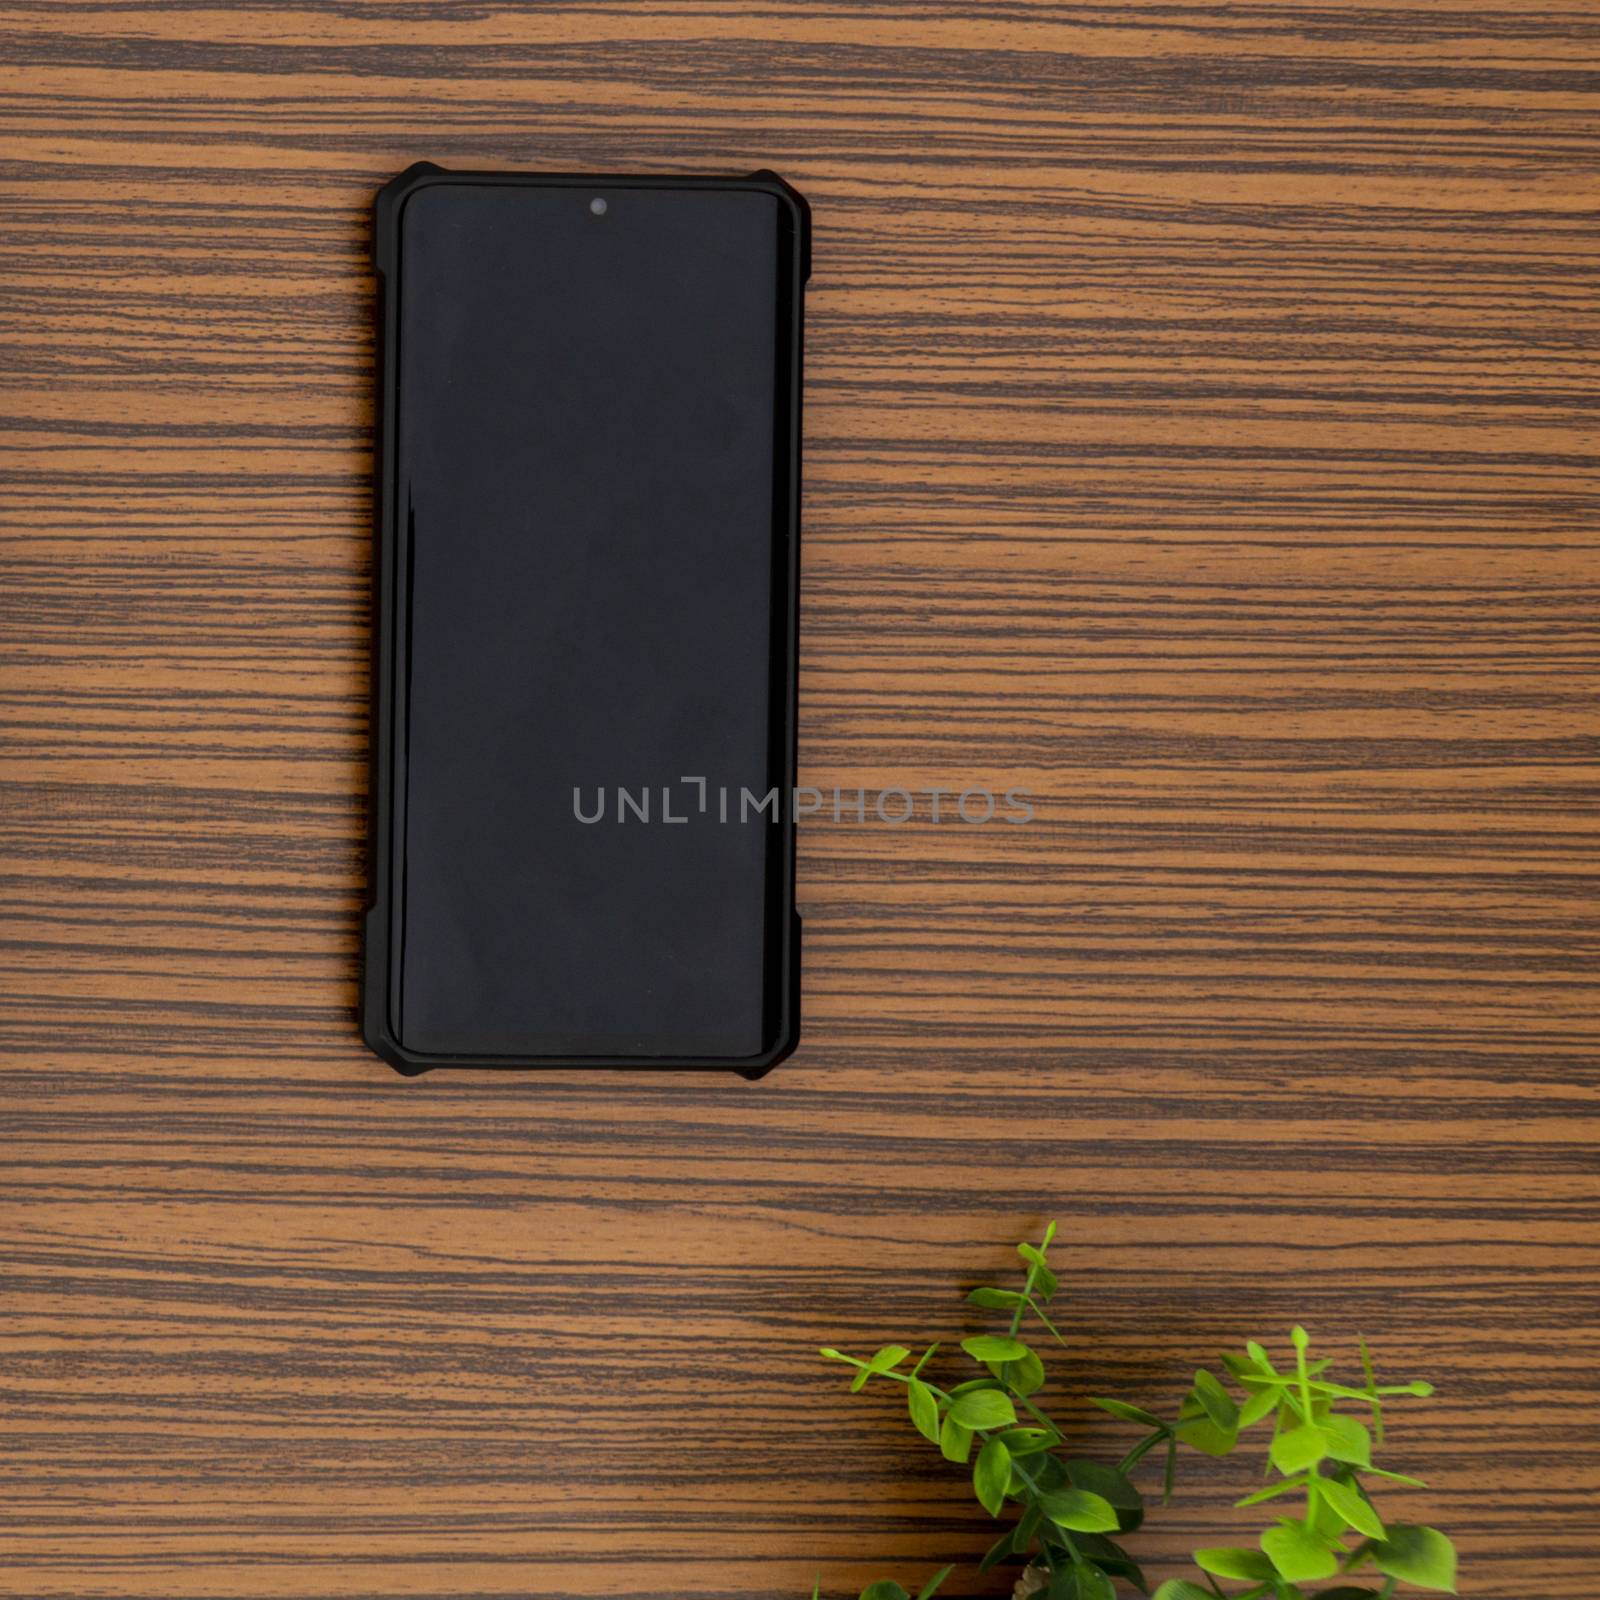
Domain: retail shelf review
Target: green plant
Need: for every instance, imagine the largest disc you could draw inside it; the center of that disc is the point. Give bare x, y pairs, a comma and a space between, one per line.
1072, 1513
886, 1589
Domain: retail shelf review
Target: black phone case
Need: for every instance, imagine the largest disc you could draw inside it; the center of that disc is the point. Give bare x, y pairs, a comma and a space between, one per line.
390, 664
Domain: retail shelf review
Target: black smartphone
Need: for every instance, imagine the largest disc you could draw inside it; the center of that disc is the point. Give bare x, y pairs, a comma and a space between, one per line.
585, 646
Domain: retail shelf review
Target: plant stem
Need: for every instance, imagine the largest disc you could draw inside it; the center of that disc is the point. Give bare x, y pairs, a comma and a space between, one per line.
1142, 1449
1300, 1342
1373, 1390
1023, 1304
903, 1377
1038, 1311
1039, 1416
1038, 1495
1254, 1380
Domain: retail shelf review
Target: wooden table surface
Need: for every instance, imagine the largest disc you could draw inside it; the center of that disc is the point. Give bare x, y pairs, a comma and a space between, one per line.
1199, 434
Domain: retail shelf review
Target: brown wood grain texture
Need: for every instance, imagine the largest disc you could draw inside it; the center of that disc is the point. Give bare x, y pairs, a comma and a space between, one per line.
1200, 434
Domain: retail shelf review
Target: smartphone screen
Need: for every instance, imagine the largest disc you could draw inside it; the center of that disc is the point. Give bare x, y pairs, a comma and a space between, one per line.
594, 605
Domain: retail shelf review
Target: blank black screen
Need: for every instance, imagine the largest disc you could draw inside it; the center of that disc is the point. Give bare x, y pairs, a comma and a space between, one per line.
585, 468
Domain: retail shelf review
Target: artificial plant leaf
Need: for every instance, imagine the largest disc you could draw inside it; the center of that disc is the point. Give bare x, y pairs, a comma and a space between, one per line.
1216, 1402
1259, 1402
1050, 1327
1395, 1477
991, 1347
1078, 1580
998, 1551
1079, 1511
1240, 1367
931, 1587
1258, 1355
1092, 1583
1127, 1569
1348, 1440
1422, 1556
1226, 1561
1048, 1474
1299, 1448
1073, 1579
1127, 1413
1115, 1488
924, 1409
983, 1408
1298, 1553
972, 1385
1197, 1429
1353, 1506
1045, 1284
1326, 1523
1026, 1375
1272, 1491
995, 1299
1182, 1589
1027, 1526
886, 1360
991, 1476
1032, 1254
1097, 1546
884, 1589
1030, 1441
1110, 1557
955, 1441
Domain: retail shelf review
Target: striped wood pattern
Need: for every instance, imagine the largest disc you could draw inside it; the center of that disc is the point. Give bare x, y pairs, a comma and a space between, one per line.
1199, 434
